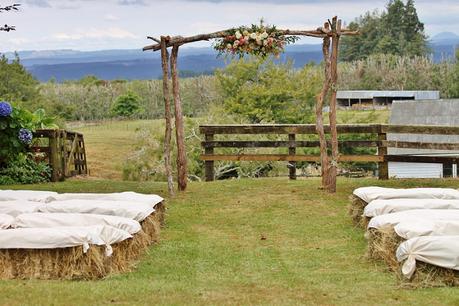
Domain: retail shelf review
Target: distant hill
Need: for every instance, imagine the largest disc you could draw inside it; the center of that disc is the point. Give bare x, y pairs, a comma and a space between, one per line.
134, 64
137, 65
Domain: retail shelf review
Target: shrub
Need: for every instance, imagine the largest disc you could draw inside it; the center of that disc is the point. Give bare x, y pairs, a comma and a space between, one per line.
16, 127
127, 105
22, 169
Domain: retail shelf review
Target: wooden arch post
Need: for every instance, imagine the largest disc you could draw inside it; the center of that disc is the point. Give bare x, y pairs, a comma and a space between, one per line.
330, 33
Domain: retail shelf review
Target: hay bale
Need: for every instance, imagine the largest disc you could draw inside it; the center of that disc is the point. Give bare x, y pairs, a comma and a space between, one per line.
151, 226
382, 245
73, 264
63, 263
160, 213
428, 276
356, 209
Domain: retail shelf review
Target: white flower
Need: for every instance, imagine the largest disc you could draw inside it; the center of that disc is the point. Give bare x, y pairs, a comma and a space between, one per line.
246, 33
229, 46
259, 42
238, 35
264, 35
265, 42
236, 43
253, 35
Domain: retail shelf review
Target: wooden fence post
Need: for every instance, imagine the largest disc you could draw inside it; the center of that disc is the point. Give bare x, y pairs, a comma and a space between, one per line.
55, 159
292, 151
383, 167
209, 164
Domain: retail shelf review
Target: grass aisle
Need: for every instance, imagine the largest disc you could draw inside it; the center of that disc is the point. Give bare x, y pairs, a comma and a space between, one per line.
265, 241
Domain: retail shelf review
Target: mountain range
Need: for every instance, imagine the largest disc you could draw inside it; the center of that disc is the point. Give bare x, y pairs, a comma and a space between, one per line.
137, 65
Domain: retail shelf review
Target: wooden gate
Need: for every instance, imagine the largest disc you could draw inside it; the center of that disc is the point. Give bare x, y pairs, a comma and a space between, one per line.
64, 151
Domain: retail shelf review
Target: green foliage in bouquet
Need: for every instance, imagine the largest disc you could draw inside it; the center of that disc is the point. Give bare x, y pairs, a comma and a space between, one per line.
259, 40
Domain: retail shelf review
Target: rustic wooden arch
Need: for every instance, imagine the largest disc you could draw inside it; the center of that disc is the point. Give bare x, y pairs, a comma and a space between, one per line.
330, 33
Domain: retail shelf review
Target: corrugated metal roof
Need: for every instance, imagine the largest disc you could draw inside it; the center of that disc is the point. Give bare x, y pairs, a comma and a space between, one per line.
370, 94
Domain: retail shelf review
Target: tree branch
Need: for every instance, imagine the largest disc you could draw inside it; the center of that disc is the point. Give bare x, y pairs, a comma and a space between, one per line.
179, 40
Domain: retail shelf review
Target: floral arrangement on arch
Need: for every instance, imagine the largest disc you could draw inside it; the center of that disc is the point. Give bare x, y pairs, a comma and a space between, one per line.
260, 40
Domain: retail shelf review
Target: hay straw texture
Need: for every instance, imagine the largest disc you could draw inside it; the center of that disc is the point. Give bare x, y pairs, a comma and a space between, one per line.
382, 245
355, 210
64, 263
428, 276
74, 264
160, 213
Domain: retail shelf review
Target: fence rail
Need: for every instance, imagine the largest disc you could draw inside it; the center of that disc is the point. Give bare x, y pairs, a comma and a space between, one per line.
377, 131
64, 151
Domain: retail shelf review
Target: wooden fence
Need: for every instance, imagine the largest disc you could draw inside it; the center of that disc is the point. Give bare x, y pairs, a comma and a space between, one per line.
63, 150
377, 133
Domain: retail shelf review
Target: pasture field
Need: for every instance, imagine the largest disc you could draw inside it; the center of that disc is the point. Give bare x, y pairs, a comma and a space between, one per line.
259, 241
110, 143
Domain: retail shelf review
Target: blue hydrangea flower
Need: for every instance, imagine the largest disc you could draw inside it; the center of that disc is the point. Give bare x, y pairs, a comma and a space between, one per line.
25, 136
5, 109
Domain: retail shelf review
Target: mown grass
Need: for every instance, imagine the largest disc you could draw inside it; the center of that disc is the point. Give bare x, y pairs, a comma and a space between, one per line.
260, 241
110, 143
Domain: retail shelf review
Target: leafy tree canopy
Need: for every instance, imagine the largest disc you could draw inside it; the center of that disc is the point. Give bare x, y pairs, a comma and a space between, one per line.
16, 83
397, 31
265, 92
127, 105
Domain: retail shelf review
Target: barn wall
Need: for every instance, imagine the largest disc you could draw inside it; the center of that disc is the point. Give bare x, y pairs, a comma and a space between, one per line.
415, 170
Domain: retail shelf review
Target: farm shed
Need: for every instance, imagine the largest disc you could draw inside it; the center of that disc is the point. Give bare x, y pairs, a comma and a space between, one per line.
380, 98
424, 112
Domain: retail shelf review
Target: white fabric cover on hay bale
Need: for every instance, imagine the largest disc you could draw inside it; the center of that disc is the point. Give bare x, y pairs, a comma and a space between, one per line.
441, 251
6, 221
37, 220
126, 209
62, 237
383, 207
19, 207
150, 199
369, 194
416, 228
421, 215
27, 195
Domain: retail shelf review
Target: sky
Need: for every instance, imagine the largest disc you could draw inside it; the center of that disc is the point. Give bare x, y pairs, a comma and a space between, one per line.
124, 24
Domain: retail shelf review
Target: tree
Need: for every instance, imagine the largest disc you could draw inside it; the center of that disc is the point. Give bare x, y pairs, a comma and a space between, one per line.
16, 83
396, 31
263, 91
454, 91
13, 7
127, 105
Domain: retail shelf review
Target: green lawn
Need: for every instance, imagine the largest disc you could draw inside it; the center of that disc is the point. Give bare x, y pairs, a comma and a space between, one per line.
110, 143
212, 252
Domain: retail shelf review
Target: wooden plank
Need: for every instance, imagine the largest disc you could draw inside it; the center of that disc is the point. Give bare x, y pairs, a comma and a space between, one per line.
291, 163
422, 129
286, 157
285, 129
383, 167
209, 164
422, 159
284, 144
55, 157
422, 145
342, 128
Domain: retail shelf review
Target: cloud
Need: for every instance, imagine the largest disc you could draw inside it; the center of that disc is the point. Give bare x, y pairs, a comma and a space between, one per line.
132, 2
115, 33
38, 3
110, 17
